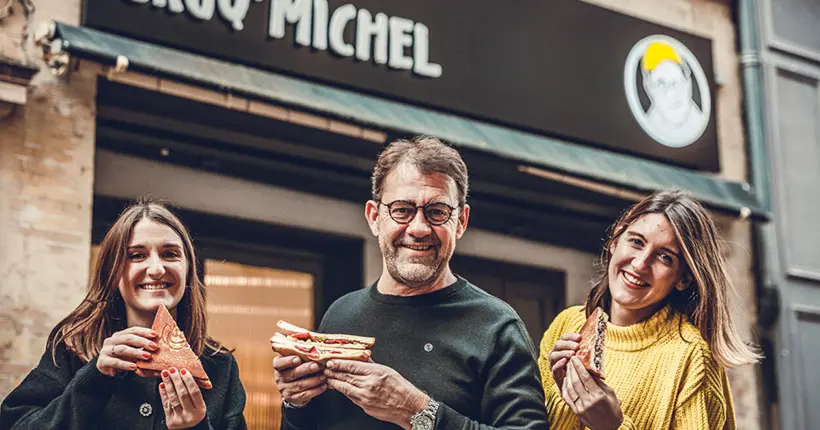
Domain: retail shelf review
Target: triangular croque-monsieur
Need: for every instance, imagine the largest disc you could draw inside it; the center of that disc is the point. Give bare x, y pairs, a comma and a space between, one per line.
172, 351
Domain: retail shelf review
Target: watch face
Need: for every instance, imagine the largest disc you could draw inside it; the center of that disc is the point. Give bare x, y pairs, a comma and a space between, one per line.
423, 423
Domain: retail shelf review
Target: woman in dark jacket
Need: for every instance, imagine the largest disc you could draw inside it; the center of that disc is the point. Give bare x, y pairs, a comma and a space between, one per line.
86, 377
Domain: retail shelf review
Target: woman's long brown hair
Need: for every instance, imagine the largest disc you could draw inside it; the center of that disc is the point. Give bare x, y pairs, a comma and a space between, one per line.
102, 311
705, 300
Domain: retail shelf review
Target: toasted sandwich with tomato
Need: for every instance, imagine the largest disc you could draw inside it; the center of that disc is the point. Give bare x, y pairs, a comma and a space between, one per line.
172, 351
319, 347
593, 337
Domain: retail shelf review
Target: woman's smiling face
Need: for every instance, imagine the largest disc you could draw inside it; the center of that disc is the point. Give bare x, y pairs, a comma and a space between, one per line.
155, 271
646, 265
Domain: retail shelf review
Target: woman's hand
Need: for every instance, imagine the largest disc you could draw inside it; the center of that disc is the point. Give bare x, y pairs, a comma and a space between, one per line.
565, 348
123, 349
594, 402
181, 399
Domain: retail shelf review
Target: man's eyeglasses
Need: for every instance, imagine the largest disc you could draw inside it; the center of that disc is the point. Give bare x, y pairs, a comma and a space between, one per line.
403, 212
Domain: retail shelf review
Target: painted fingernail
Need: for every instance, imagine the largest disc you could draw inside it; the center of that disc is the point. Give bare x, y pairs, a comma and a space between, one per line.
172, 370
161, 386
146, 355
154, 334
182, 371
164, 373
133, 366
152, 345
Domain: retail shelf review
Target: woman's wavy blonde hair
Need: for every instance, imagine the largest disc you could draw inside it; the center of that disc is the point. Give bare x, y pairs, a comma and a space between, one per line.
705, 300
102, 311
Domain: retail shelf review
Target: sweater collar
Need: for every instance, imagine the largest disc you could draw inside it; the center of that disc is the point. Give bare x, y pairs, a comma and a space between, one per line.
435, 297
643, 334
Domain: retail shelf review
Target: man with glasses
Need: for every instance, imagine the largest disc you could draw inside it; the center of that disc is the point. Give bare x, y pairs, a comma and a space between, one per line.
447, 354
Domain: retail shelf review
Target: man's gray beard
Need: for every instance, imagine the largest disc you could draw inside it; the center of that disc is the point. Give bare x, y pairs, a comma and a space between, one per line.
412, 277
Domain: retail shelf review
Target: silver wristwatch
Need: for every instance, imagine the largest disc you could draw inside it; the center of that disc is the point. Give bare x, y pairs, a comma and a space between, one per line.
426, 419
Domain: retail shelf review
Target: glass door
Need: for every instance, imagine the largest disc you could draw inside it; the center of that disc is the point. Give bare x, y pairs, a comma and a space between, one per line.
250, 288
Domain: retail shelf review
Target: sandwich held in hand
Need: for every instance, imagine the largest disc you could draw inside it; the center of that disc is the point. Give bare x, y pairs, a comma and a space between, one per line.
172, 351
593, 336
319, 347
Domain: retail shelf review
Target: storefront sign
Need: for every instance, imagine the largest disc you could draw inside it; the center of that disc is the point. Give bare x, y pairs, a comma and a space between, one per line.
561, 68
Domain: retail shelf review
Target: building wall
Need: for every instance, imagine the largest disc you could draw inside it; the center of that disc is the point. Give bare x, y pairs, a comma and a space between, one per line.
46, 174
713, 19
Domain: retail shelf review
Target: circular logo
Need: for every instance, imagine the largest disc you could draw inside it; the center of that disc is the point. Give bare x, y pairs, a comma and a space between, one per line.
428, 347
146, 409
667, 91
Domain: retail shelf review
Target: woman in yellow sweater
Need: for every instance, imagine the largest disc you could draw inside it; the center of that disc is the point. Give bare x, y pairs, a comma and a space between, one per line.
670, 337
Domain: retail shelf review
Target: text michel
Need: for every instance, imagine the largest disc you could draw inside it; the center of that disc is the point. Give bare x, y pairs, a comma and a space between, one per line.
386, 39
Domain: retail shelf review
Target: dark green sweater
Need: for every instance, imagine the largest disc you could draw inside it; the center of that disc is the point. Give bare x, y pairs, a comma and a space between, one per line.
481, 367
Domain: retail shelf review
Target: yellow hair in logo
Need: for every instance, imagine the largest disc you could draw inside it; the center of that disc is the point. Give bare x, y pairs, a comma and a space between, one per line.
658, 52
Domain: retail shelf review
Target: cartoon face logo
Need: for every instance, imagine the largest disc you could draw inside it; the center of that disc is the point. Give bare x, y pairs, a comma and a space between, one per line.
173, 337
673, 105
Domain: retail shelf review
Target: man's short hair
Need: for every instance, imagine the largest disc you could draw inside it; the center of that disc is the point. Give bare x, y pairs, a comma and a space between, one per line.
429, 155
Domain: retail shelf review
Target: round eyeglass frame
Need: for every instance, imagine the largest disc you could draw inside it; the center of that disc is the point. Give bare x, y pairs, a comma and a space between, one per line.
417, 207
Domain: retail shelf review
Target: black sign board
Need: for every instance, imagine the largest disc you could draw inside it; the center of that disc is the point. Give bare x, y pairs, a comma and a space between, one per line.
560, 68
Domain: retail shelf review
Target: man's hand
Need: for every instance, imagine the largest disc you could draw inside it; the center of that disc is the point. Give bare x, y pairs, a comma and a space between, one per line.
378, 389
298, 382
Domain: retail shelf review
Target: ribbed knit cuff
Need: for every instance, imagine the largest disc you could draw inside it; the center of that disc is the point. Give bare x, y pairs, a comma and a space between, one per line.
627, 424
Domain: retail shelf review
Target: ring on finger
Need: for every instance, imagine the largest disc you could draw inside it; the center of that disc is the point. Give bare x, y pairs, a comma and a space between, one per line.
175, 404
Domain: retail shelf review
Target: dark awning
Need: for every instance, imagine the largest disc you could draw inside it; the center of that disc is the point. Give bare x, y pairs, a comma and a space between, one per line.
529, 149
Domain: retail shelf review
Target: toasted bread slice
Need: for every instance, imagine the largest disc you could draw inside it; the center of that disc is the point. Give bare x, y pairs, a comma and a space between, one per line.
173, 350
336, 340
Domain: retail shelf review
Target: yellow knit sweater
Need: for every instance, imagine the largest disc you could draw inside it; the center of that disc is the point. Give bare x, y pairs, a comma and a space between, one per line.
662, 371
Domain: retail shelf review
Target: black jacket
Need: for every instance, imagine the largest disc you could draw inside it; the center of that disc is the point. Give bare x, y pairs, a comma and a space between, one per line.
75, 395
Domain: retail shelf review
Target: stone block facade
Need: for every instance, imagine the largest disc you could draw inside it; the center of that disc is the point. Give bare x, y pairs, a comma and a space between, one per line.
46, 178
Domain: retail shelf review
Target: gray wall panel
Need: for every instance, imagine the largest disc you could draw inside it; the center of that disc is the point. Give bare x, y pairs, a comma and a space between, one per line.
808, 329
795, 21
798, 101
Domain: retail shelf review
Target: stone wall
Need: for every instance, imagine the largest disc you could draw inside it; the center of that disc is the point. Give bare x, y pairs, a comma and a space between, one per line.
46, 177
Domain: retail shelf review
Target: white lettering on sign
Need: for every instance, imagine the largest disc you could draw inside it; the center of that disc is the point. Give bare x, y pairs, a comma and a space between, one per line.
388, 39
397, 42
369, 29
233, 11
338, 22
295, 12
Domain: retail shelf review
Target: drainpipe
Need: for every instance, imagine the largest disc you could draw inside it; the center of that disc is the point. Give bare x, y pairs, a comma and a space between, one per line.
758, 160
768, 297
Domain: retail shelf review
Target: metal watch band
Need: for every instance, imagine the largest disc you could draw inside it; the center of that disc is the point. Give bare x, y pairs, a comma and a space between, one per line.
426, 419
290, 405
